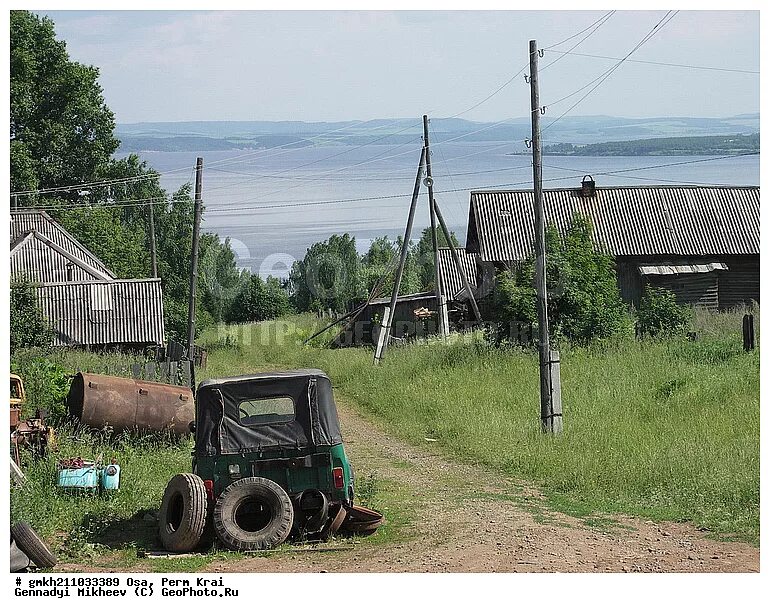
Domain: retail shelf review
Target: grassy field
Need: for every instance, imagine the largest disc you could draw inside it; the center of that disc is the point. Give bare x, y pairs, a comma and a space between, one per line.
662, 429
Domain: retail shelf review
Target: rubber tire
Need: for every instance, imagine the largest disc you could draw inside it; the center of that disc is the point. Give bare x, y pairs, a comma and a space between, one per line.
186, 536
32, 545
273, 534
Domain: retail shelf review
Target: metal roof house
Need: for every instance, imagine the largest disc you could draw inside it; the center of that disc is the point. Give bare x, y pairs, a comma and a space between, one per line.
700, 242
86, 305
451, 279
120, 313
24, 222
44, 261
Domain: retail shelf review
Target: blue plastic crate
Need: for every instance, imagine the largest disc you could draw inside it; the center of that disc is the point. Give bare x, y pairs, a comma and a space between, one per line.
78, 478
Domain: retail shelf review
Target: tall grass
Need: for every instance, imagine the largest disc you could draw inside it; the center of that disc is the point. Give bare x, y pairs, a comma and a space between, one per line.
82, 523
667, 429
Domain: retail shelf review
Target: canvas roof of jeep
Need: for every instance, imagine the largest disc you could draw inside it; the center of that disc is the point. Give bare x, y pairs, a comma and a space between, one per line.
222, 428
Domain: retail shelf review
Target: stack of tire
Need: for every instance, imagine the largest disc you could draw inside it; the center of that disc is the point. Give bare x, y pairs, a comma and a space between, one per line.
28, 548
187, 520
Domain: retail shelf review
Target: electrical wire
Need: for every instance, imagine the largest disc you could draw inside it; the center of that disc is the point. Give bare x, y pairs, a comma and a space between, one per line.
607, 57
598, 24
292, 204
606, 75
667, 165
601, 19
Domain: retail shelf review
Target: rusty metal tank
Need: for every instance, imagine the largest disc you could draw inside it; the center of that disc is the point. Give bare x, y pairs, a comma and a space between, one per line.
126, 404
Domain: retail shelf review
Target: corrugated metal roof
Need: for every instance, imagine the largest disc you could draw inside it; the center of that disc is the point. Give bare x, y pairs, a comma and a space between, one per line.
451, 280
680, 269
123, 311
41, 260
638, 220
23, 222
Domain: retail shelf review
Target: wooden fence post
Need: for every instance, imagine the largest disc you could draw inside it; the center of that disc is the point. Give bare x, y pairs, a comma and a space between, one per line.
748, 332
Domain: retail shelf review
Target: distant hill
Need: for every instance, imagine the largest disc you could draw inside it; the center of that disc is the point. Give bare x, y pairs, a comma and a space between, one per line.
165, 136
679, 145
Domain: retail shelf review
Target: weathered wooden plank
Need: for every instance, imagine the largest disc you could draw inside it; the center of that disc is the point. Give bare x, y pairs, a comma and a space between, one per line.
186, 373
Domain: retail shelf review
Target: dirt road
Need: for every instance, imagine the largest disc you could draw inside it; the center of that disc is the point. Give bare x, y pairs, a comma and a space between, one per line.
504, 526
445, 516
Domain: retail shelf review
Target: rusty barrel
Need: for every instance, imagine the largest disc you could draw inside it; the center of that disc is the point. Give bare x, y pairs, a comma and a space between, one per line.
126, 404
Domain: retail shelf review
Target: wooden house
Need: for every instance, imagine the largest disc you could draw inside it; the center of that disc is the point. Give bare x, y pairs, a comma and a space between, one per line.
84, 302
700, 242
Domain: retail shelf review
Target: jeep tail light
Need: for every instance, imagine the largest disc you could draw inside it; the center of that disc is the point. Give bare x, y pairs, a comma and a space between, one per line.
208, 484
339, 478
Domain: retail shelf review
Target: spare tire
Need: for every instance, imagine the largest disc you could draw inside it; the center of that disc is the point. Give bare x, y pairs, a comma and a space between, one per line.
183, 513
253, 513
32, 545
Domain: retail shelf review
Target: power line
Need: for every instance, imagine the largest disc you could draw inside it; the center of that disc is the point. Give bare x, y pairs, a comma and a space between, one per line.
596, 25
156, 174
292, 204
607, 57
667, 165
606, 75
601, 19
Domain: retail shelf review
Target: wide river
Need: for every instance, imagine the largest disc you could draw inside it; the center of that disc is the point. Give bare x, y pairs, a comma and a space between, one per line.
273, 204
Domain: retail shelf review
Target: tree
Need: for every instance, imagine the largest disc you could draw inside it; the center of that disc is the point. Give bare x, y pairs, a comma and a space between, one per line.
218, 275
584, 301
328, 276
62, 134
61, 129
29, 327
586, 297
258, 300
378, 264
120, 246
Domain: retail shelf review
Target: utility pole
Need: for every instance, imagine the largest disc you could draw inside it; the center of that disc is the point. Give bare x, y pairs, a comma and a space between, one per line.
441, 307
194, 261
153, 253
387, 322
550, 380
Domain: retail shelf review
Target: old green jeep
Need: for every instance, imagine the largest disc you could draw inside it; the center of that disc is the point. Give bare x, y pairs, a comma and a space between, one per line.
268, 463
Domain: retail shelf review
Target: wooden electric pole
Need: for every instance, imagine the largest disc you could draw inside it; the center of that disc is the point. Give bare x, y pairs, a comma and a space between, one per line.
440, 306
194, 260
387, 321
153, 248
550, 383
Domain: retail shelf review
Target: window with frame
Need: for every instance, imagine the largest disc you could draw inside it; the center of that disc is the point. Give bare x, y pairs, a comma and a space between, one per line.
266, 411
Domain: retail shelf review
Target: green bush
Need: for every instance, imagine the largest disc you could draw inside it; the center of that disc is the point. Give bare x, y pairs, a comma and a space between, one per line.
46, 384
29, 327
584, 301
660, 315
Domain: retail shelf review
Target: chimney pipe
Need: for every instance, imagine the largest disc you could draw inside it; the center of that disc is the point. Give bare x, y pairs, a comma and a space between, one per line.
588, 187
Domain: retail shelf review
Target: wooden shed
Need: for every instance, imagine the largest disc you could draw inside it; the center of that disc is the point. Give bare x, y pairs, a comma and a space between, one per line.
700, 242
415, 317
85, 304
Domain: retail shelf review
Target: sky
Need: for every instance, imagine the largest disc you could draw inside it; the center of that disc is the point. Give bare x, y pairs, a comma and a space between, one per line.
360, 65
